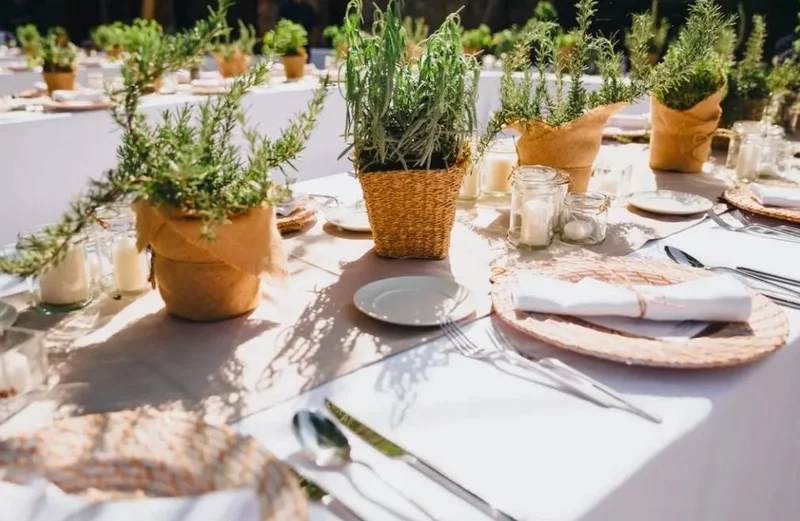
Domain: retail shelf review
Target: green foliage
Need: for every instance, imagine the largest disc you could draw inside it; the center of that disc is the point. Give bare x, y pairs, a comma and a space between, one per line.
659, 27
338, 39
545, 11
477, 39
407, 115
109, 36
287, 39
29, 37
748, 79
187, 160
505, 41
243, 44
141, 36
55, 57
416, 29
784, 77
698, 58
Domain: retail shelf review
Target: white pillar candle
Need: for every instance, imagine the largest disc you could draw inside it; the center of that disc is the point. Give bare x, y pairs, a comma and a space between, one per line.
497, 168
471, 185
15, 374
536, 223
577, 230
747, 164
131, 271
68, 281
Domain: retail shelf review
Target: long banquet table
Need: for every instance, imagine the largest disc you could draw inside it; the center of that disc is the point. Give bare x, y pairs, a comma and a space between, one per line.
728, 449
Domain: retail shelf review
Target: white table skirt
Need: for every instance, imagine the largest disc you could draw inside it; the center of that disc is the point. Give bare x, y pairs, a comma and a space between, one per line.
728, 450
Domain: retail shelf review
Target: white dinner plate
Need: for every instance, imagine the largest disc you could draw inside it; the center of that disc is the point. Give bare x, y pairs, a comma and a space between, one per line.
667, 202
351, 218
8, 315
415, 301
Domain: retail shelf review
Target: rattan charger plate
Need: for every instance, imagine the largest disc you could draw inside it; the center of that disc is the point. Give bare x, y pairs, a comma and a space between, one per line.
733, 344
299, 219
126, 455
742, 197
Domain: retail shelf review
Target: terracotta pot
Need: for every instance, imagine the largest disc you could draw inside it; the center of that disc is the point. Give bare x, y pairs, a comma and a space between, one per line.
471, 51
155, 87
236, 65
414, 51
294, 66
114, 52
59, 81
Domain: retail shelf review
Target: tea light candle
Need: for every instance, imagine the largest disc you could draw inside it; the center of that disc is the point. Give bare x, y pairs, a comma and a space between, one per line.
68, 281
15, 374
747, 164
130, 266
497, 168
471, 185
536, 223
577, 230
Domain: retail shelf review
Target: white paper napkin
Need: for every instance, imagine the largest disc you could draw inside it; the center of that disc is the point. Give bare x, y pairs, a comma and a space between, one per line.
40, 500
721, 298
778, 196
89, 95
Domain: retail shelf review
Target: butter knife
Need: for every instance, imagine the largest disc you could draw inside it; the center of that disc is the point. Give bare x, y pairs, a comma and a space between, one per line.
396, 452
316, 493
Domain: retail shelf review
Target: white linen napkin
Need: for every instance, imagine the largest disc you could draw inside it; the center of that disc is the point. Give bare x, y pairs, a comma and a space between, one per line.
88, 95
40, 500
778, 196
721, 298
292, 203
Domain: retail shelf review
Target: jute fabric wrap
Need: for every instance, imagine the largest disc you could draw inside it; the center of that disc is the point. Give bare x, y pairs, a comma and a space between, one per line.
236, 65
412, 212
572, 147
681, 139
205, 281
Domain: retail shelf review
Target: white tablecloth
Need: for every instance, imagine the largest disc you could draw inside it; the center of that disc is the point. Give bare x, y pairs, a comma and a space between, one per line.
16, 82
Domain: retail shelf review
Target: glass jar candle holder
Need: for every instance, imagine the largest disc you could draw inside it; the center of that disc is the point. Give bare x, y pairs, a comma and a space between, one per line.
533, 207
562, 188
23, 369
498, 164
584, 218
124, 270
613, 181
471, 184
66, 285
741, 130
773, 157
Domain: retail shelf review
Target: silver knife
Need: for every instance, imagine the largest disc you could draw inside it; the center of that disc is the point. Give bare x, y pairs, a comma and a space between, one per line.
396, 452
316, 493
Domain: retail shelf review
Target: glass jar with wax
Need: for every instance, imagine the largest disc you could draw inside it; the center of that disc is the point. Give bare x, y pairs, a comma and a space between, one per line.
584, 218
124, 270
66, 285
498, 163
23, 369
749, 158
471, 184
743, 129
533, 207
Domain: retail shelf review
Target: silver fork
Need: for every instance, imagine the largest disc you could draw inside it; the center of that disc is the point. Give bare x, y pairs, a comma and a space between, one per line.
753, 229
742, 218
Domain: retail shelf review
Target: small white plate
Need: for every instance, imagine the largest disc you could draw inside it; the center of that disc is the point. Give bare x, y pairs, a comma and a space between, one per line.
667, 202
351, 218
415, 301
8, 315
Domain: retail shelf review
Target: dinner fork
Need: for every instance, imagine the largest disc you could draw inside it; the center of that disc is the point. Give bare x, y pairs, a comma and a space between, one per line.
742, 218
753, 229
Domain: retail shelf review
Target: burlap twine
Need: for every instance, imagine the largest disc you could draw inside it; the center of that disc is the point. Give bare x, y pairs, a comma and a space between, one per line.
680, 140
572, 147
205, 281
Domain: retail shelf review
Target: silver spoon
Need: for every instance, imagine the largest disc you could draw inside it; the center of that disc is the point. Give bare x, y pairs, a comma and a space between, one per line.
329, 448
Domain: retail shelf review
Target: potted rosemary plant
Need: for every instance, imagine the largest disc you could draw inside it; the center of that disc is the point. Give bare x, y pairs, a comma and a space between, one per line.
686, 114
338, 40
59, 64
109, 38
289, 40
233, 58
417, 32
748, 88
30, 40
476, 40
784, 83
142, 41
660, 30
408, 128
204, 207
563, 130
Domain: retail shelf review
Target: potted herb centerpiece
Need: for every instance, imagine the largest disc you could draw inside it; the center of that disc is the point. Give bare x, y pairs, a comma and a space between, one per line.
204, 207
30, 40
338, 40
233, 58
109, 38
141, 41
784, 83
686, 114
564, 130
659, 28
748, 88
417, 32
289, 41
408, 127
476, 40
59, 64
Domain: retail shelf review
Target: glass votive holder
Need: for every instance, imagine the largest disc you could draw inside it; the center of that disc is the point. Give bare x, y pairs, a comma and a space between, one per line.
23, 369
613, 180
742, 129
471, 184
533, 207
773, 158
562, 188
498, 164
124, 270
65, 285
585, 218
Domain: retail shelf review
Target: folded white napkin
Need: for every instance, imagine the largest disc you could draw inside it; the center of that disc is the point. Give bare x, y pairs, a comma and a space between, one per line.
213, 82
291, 204
43, 501
90, 95
721, 298
779, 196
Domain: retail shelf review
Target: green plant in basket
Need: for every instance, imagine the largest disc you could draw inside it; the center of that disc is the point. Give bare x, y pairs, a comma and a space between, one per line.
784, 84
287, 39
476, 40
748, 84
29, 39
56, 58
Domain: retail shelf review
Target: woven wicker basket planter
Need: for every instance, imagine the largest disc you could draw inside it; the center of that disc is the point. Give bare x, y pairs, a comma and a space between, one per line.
412, 212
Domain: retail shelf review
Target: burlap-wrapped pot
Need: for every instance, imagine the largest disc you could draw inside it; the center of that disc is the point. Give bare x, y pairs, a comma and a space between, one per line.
572, 147
59, 81
205, 281
680, 140
412, 212
295, 66
236, 65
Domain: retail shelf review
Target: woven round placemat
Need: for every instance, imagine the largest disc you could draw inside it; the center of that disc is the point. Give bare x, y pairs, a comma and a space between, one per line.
733, 344
742, 197
126, 455
299, 219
